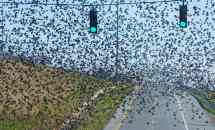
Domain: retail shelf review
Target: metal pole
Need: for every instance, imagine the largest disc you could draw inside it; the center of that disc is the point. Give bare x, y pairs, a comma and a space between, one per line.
2, 24
117, 42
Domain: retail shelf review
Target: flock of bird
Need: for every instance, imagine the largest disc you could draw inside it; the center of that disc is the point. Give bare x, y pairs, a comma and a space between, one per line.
149, 38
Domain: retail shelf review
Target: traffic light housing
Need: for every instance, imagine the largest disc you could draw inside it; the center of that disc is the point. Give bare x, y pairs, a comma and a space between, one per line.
93, 21
183, 16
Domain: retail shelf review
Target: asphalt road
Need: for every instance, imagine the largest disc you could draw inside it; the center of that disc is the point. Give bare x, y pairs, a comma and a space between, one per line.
163, 109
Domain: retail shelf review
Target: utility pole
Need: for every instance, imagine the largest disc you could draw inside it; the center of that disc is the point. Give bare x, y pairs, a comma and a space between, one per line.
117, 43
1, 26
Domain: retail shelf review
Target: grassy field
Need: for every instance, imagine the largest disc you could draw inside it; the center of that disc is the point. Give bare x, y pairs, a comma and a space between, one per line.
37, 97
201, 97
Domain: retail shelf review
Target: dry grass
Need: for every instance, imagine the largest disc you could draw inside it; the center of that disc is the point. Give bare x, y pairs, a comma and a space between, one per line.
27, 90
41, 97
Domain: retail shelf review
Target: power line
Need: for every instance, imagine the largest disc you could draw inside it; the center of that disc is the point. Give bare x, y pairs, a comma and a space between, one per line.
129, 3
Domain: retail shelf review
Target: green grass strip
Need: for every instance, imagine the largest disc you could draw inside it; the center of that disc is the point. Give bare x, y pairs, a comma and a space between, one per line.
105, 108
203, 102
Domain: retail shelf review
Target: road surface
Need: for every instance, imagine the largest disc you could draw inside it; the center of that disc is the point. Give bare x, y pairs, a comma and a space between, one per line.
163, 109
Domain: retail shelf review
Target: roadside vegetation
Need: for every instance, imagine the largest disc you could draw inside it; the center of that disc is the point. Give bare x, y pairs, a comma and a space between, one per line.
105, 108
202, 97
37, 97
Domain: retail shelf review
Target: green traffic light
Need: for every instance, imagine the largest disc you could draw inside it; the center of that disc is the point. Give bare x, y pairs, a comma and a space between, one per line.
93, 29
183, 24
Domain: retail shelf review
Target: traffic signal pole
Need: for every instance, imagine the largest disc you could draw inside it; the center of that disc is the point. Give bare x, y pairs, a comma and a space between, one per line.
117, 43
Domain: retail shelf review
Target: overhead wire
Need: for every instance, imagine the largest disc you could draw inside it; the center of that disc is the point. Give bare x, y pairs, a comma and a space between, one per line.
128, 3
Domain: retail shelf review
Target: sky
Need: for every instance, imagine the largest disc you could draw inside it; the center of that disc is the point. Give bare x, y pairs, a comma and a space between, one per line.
150, 40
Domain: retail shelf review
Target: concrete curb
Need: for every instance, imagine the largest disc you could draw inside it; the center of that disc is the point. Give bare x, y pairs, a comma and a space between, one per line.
120, 115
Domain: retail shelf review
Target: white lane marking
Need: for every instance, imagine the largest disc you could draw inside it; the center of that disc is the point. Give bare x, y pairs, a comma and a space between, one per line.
182, 112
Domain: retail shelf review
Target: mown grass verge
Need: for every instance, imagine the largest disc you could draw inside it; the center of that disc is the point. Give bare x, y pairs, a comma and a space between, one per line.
201, 97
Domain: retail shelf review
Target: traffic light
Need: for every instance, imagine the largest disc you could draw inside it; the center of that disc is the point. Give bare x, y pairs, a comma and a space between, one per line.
93, 21
183, 16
